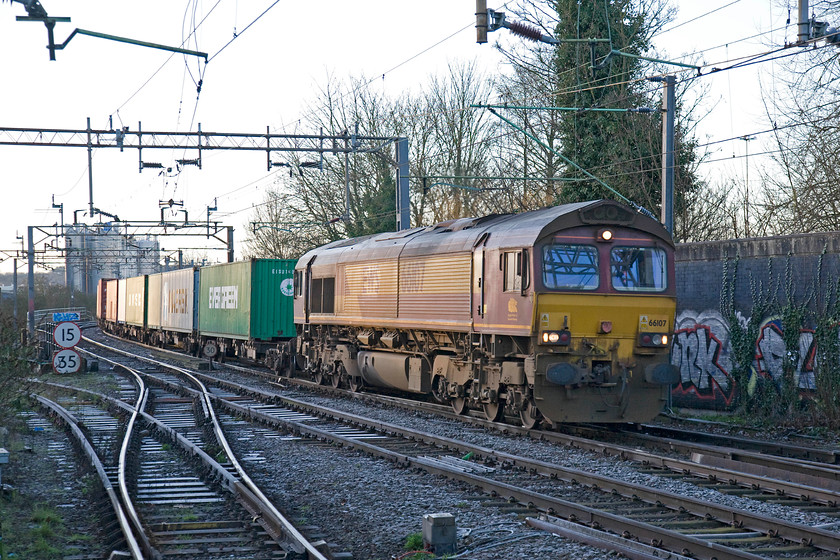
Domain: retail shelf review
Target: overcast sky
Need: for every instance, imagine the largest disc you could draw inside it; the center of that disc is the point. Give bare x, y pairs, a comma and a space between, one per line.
267, 76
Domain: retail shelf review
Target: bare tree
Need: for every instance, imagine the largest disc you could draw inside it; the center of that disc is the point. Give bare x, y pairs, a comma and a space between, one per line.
801, 191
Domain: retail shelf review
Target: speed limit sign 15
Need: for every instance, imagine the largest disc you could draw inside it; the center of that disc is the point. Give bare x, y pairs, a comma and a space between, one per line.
66, 361
67, 334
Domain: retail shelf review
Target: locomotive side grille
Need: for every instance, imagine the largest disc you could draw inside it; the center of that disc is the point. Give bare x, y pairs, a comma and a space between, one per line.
436, 287
370, 289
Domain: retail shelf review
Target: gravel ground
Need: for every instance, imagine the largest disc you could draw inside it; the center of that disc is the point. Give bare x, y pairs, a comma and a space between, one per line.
366, 506
49, 506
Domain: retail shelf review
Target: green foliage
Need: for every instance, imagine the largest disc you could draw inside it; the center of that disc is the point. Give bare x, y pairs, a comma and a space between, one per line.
622, 149
414, 541
14, 368
775, 400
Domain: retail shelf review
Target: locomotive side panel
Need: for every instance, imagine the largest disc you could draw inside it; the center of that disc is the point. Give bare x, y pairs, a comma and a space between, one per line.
508, 307
435, 291
368, 292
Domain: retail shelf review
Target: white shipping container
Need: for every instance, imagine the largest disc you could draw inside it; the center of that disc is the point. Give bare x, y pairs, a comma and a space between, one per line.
177, 300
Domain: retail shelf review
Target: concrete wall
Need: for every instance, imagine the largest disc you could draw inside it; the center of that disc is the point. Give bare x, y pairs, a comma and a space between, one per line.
764, 270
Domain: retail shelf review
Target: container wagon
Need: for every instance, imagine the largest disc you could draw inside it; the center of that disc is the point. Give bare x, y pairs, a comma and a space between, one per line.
245, 309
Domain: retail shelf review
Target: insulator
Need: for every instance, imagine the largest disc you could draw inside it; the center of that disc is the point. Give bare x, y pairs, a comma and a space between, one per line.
152, 165
525, 31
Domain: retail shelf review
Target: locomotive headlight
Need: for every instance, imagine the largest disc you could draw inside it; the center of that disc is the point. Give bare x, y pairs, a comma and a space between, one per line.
560, 338
652, 340
605, 235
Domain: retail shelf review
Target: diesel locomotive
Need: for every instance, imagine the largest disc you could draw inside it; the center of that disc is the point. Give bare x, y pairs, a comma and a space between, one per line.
563, 314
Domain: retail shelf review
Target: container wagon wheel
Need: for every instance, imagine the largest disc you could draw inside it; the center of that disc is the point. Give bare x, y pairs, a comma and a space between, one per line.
530, 416
459, 405
493, 411
356, 384
319, 375
335, 376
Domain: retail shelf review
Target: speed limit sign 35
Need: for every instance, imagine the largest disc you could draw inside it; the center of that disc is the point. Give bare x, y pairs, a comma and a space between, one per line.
66, 361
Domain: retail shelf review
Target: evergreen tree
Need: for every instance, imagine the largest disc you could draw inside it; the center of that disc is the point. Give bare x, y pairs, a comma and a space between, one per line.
622, 149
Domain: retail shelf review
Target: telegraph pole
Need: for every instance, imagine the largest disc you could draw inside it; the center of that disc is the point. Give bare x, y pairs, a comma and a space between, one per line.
804, 24
30, 260
90, 167
668, 155
403, 214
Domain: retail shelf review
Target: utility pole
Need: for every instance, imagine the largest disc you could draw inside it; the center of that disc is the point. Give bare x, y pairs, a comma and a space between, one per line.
804, 25
230, 243
15, 292
746, 140
30, 258
668, 155
90, 166
403, 202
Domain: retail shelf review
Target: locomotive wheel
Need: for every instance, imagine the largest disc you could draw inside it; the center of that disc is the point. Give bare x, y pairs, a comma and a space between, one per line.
356, 384
319, 377
493, 411
530, 416
459, 405
335, 380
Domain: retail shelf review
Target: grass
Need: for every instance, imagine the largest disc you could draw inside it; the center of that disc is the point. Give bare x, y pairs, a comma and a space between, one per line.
30, 530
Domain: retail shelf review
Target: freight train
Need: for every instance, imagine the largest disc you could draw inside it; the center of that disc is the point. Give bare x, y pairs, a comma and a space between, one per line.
560, 315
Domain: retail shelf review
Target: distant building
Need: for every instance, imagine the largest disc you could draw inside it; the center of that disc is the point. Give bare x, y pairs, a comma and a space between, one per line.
106, 251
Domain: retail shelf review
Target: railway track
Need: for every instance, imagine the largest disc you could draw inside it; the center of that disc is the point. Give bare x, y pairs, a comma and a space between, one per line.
174, 499
665, 520
773, 471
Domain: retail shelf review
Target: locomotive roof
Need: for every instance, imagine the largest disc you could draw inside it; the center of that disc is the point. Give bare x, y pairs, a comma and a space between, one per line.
496, 230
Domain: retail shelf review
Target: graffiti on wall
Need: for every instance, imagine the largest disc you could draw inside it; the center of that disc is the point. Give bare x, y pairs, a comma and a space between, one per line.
702, 352
770, 354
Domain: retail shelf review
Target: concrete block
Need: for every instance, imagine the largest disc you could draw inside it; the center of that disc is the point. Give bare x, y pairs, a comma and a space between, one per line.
439, 533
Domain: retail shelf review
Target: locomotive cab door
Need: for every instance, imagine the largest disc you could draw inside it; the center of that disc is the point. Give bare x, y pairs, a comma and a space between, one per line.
479, 303
307, 289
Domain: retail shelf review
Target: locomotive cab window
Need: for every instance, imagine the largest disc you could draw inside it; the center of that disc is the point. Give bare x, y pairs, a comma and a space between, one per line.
298, 283
513, 271
322, 295
570, 267
638, 269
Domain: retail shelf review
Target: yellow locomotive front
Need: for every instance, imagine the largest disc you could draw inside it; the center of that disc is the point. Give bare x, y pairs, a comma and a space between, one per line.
603, 318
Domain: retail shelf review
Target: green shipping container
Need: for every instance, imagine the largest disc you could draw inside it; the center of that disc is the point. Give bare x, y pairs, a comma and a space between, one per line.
247, 299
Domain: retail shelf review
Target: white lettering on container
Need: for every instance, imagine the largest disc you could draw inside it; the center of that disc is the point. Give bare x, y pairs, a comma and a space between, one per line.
224, 297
